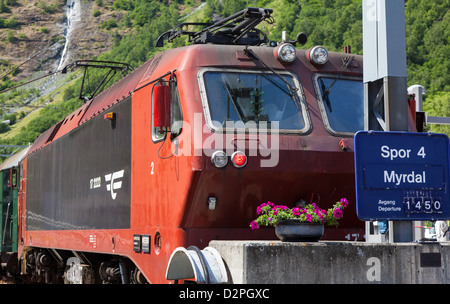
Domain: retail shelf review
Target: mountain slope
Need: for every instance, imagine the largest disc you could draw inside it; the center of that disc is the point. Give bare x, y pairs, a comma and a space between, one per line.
37, 26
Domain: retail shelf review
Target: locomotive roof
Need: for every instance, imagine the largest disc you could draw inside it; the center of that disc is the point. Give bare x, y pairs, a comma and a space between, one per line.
14, 160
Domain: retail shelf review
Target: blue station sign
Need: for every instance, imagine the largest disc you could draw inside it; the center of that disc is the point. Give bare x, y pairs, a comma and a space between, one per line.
402, 176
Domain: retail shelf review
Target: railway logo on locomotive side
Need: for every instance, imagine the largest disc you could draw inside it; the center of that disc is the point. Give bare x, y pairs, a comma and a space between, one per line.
114, 185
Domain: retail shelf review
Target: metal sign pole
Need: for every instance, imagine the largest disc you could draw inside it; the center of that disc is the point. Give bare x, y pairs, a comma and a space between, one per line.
385, 87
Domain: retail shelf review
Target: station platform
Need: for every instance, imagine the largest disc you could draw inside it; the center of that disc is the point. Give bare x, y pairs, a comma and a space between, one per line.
328, 262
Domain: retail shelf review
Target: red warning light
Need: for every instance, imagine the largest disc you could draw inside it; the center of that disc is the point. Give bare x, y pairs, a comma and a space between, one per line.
239, 159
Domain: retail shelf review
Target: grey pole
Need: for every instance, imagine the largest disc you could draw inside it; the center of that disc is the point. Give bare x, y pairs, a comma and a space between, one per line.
385, 87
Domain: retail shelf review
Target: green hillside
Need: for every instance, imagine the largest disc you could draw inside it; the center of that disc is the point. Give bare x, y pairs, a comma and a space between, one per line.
331, 23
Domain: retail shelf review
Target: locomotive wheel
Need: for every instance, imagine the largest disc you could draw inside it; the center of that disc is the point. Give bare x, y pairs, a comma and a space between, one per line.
137, 277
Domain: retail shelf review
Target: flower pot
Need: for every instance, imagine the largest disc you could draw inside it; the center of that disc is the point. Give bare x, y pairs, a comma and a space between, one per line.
293, 230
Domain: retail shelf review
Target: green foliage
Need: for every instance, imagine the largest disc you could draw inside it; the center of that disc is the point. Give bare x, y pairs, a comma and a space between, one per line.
331, 23
139, 47
109, 24
438, 105
213, 7
23, 36
46, 119
4, 128
4, 7
142, 12
10, 37
232, 6
428, 49
9, 23
6, 83
126, 5
48, 8
11, 117
11, 2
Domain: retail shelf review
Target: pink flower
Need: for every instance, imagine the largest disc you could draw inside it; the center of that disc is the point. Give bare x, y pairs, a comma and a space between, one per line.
279, 207
338, 213
254, 225
320, 211
309, 217
259, 208
296, 211
321, 218
344, 202
275, 212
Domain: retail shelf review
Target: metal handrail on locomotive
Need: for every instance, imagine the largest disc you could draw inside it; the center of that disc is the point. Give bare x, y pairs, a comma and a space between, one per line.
181, 151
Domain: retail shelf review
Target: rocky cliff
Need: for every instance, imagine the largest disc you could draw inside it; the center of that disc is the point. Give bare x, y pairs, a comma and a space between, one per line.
43, 28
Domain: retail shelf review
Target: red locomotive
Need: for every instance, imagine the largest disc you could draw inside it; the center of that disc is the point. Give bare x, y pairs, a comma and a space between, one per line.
182, 151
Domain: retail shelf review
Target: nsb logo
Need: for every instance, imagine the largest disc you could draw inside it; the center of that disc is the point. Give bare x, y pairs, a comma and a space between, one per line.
112, 183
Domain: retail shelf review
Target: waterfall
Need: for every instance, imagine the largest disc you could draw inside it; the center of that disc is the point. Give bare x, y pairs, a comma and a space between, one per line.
73, 15
70, 14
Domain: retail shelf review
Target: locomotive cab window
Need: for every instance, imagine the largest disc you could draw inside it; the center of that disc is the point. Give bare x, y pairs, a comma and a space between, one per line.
166, 118
249, 100
341, 102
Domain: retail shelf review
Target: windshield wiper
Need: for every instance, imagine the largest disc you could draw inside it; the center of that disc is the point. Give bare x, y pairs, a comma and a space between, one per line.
326, 91
325, 95
251, 54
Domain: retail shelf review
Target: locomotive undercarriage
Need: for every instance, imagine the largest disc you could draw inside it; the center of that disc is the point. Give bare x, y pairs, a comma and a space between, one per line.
51, 266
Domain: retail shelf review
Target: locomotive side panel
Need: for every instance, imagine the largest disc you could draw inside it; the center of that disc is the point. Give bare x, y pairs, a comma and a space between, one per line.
82, 181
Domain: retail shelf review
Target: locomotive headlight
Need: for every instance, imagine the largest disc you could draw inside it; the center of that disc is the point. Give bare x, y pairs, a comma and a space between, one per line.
219, 159
239, 159
318, 55
285, 53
